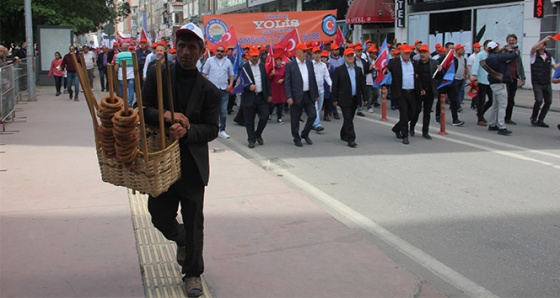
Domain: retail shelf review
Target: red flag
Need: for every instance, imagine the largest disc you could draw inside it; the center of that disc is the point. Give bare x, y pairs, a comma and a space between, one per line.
269, 64
228, 39
124, 38
339, 38
556, 37
289, 42
446, 63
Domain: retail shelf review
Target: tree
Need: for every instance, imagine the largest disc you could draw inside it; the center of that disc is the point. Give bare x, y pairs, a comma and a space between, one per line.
83, 15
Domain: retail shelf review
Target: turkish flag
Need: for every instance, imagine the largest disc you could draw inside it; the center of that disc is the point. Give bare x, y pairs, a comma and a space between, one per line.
339, 38
228, 39
289, 42
556, 37
269, 64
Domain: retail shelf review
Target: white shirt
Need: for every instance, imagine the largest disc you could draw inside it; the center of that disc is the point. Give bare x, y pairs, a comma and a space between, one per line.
304, 74
321, 75
218, 71
151, 56
89, 59
470, 60
543, 56
407, 74
257, 75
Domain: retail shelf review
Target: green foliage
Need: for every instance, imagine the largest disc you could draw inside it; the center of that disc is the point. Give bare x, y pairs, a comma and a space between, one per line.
83, 15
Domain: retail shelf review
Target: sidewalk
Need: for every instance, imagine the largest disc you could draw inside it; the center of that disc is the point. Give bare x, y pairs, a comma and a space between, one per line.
65, 233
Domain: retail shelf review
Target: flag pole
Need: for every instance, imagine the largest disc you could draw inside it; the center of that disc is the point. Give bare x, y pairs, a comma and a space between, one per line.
437, 70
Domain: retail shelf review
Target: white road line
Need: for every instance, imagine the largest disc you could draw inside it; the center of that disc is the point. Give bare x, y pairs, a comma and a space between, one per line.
506, 153
447, 274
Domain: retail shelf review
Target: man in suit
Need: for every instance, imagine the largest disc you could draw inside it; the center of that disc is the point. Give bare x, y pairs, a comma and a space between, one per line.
255, 97
302, 93
403, 89
196, 122
427, 87
348, 90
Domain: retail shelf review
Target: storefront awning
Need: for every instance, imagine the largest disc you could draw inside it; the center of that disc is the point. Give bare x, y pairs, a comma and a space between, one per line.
371, 11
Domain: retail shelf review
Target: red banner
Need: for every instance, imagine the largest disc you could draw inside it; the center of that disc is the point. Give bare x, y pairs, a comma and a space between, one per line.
271, 27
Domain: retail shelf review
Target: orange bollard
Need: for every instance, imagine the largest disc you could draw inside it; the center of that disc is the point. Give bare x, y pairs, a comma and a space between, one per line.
384, 103
442, 116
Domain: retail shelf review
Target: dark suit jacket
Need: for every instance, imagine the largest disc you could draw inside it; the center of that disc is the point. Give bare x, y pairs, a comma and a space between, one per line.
248, 97
294, 83
342, 87
202, 110
395, 68
434, 81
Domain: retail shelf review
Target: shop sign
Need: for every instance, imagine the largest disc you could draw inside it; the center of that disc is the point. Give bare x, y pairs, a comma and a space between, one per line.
400, 14
539, 11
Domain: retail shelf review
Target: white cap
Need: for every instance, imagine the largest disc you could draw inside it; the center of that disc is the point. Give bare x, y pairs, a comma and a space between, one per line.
492, 45
190, 28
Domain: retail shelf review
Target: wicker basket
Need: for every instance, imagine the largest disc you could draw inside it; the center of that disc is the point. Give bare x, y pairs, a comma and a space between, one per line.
153, 177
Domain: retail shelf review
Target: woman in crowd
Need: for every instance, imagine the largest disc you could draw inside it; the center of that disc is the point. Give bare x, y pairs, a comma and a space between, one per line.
56, 71
277, 89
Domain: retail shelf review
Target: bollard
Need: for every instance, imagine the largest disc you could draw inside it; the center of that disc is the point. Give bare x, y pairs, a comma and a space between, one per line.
442, 116
384, 103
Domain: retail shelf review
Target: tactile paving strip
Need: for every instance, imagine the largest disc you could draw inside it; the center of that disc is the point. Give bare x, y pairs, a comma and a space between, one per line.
160, 272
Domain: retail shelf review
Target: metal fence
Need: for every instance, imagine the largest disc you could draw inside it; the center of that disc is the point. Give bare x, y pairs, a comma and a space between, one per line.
13, 83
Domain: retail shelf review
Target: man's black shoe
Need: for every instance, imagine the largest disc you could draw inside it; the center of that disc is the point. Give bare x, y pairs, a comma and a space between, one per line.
308, 140
352, 144
376, 105
360, 114
405, 141
397, 133
509, 121
260, 140
542, 124
298, 143
533, 121
319, 128
181, 255
427, 136
493, 128
411, 132
70, 94
251, 145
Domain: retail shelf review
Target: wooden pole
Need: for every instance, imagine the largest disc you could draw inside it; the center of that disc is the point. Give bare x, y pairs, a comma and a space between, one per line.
140, 106
160, 103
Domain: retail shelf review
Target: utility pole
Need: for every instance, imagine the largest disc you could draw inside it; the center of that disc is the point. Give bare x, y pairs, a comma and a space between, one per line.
30, 53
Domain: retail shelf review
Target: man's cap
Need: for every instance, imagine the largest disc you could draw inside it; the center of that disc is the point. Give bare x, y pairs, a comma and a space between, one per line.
143, 40
190, 28
407, 48
154, 45
459, 46
335, 46
115, 44
316, 49
358, 48
492, 45
368, 41
357, 44
348, 51
396, 52
476, 45
173, 51
352, 45
162, 43
131, 48
325, 53
438, 46
372, 49
424, 48
417, 42
328, 42
442, 49
302, 46
254, 51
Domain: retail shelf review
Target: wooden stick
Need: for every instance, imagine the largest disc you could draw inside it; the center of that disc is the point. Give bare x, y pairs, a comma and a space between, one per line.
169, 89
140, 106
110, 75
160, 103
90, 106
124, 87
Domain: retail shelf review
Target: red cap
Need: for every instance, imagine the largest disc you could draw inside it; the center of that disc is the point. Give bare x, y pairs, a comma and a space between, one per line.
348, 51
351, 45
143, 40
424, 48
335, 46
396, 52
162, 43
254, 51
154, 45
316, 49
115, 44
173, 51
325, 53
358, 48
476, 45
407, 48
372, 49
417, 42
131, 48
328, 42
302, 46
438, 46
368, 41
459, 46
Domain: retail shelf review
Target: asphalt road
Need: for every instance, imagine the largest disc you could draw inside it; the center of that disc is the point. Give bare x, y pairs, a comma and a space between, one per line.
472, 212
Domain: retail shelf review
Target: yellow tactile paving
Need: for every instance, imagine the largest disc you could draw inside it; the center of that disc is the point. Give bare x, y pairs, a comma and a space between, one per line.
160, 272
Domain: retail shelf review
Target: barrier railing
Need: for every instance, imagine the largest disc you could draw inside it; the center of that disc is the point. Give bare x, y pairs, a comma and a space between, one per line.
13, 83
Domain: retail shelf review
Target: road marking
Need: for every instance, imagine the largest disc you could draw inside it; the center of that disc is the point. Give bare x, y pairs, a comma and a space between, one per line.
449, 275
502, 152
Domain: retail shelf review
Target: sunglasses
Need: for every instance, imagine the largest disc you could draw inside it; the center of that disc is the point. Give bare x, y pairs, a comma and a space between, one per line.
219, 51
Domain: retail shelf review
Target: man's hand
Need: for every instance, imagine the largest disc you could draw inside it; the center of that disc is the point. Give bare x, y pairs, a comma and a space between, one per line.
229, 87
280, 81
270, 99
439, 67
179, 118
253, 87
290, 101
176, 131
422, 92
